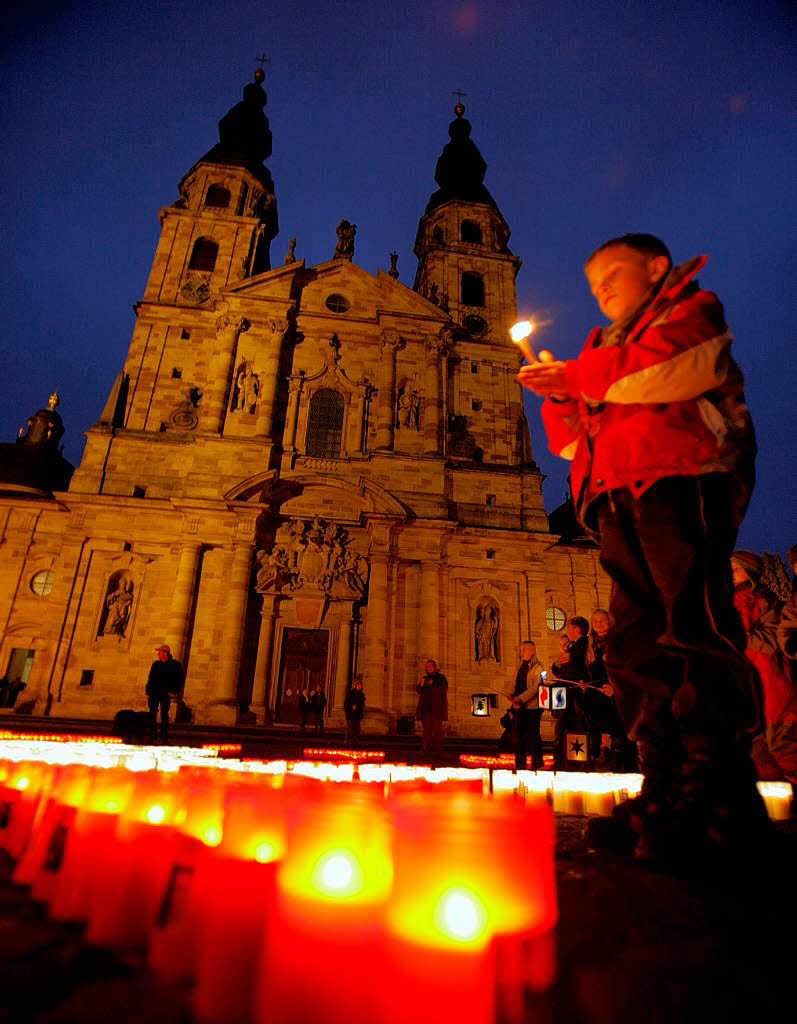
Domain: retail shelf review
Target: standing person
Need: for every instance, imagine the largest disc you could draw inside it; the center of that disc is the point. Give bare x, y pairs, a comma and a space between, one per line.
165, 681
571, 665
432, 707
599, 704
354, 709
653, 416
317, 704
527, 711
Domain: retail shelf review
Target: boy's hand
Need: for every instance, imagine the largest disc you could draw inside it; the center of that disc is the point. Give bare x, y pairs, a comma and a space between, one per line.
547, 379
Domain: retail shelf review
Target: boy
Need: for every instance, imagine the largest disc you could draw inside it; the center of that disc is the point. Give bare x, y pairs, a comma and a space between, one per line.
652, 414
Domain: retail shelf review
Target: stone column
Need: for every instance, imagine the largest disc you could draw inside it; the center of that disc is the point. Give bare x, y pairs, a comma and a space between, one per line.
222, 367
376, 632
344, 658
265, 642
185, 587
225, 700
269, 377
435, 378
292, 417
429, 612
389, 344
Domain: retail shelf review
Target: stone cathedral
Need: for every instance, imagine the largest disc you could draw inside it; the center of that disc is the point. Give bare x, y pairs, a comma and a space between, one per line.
301, 473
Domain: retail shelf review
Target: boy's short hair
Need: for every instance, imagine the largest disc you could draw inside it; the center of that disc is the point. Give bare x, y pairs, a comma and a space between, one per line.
649, 245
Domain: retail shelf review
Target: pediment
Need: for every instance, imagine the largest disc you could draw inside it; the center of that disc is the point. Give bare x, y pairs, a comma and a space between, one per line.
277, 283
316, 494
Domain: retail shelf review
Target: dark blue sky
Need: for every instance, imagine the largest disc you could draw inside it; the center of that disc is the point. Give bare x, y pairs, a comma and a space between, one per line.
595, 118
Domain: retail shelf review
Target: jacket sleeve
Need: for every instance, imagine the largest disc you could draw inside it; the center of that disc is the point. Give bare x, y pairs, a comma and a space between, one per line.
561, 422
680, 355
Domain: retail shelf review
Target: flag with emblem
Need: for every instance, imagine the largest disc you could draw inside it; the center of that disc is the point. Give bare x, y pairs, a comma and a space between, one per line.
558, 697
544, 696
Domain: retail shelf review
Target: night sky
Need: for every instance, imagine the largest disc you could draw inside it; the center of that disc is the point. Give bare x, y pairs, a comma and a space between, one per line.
595, 118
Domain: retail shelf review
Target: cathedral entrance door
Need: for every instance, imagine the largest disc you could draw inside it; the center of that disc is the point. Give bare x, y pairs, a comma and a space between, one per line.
303, 666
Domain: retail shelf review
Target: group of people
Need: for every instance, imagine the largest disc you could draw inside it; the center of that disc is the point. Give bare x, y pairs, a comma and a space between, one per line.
590, 707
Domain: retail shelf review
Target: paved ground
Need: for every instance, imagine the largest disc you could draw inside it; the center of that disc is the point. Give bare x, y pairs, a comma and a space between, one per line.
635, 947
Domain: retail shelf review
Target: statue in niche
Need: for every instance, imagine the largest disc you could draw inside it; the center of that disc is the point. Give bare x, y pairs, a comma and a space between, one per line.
344, 249
408, 403
486, 632
246, 388
118, 604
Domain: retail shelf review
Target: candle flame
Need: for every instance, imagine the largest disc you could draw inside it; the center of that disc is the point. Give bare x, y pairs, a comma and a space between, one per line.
338, 874
156, 814
461, 916
521, 330
212, 835
265, 852
22, 782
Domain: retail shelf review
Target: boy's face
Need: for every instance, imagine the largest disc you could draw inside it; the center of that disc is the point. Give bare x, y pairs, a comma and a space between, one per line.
620, 278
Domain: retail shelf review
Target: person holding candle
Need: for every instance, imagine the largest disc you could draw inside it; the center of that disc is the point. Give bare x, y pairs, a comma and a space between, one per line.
653, 416
527, 713
165, 681
432, 708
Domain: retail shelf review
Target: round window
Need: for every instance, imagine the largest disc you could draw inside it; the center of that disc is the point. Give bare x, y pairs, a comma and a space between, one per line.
555, 619
42, 583
337, 303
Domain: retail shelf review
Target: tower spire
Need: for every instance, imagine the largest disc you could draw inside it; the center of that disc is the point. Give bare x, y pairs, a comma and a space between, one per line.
460, 168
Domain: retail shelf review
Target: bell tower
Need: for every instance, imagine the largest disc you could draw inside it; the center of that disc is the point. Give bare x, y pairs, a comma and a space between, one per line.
464, 262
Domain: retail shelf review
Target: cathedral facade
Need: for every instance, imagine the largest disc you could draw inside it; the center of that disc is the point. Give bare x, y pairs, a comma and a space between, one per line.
301, 473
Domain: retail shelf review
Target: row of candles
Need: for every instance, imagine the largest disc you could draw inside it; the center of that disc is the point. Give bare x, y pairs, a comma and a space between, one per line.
287, 892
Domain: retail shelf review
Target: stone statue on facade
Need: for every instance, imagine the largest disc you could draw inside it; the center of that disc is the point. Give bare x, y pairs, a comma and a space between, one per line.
344, 249
486, 633
247, 388
118, 603
290, 255
408, 403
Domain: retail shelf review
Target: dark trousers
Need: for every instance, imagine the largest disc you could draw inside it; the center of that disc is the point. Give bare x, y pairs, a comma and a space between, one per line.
353, 729
675, 649
432, 734
154, 704
527, 737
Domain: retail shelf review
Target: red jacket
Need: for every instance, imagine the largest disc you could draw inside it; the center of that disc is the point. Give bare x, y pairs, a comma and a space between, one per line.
664, 399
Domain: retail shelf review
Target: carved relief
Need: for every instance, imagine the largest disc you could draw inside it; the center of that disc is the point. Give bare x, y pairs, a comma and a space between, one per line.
184, 416
486, 631
313, 555
195, 289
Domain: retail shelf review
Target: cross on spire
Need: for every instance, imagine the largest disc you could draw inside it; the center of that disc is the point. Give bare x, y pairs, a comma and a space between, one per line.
459, 94
262, 59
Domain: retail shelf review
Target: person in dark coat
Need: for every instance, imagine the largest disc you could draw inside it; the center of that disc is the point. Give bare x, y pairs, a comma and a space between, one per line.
317, 704
432, 708
354, 709
304, 709
164, 682
527, 713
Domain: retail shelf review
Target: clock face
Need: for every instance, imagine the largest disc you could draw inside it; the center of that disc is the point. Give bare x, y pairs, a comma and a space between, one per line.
42, 583
476, 325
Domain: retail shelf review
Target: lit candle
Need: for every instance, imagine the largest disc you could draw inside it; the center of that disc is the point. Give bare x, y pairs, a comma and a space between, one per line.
233, 904
777, 796
518, 333
450, 908
325, 953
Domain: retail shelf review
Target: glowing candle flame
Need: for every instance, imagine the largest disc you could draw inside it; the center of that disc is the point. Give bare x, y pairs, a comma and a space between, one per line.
156, 814
338, 874
212, 835
461, 916
265, 852
22, 782
518, 333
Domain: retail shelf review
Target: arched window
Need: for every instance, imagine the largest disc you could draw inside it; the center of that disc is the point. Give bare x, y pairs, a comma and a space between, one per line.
471, 232
218, 196
472, 289
203, 255
325, 425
